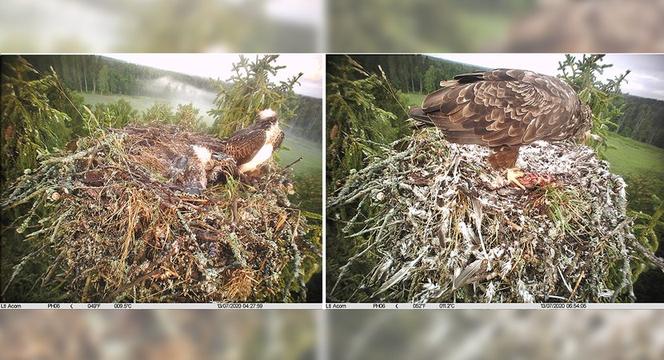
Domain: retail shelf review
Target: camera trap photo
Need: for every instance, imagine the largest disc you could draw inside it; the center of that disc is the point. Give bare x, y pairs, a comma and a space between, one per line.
492, 188
103, 204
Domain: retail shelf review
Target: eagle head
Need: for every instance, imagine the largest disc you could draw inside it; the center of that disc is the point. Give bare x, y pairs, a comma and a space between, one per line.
267, 118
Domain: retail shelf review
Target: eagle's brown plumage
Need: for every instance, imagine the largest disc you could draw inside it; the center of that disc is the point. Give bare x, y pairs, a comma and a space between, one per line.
504, 109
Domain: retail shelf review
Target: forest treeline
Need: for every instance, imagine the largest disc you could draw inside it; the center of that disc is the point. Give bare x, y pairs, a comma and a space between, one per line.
414, 73
103, 75
308, 119
642, 120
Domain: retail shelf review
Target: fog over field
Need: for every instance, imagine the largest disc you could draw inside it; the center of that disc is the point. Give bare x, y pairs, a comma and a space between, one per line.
177, 92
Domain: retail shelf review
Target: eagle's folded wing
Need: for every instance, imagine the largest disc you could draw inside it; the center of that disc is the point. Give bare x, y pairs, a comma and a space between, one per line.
501, 107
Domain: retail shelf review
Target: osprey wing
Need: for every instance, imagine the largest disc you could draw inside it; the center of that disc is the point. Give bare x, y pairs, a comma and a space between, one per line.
501, 107
244, 145
279, 140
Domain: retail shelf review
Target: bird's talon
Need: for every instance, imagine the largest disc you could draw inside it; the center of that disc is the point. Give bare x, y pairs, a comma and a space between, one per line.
513, 176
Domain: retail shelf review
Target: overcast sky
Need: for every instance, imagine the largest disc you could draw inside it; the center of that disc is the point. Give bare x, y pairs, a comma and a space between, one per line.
219, 66
646, 78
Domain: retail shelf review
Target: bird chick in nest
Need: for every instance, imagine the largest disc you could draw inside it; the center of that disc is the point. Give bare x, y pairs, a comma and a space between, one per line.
200, 167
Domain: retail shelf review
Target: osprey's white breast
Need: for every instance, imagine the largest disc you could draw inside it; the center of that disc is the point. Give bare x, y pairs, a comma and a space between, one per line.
265, 151
261, 156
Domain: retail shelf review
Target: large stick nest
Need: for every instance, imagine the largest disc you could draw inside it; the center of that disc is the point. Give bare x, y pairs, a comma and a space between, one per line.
439, 224
116, 228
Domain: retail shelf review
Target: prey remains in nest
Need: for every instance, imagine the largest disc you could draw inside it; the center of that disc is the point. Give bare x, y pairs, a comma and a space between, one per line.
115, 225
439, 224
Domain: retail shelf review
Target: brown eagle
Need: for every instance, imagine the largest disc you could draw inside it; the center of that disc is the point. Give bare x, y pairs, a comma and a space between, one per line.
505, 109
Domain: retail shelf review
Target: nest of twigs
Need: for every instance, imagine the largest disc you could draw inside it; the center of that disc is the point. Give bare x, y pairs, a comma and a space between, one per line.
440, 225
116, 228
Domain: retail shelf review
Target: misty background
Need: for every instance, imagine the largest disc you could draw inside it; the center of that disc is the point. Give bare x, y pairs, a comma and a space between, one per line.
104, 79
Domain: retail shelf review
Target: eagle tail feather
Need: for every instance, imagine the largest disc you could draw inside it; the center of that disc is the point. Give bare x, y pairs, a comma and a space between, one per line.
469, 77
420, 117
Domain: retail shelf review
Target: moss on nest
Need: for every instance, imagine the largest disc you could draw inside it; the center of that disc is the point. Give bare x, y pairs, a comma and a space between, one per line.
113, 227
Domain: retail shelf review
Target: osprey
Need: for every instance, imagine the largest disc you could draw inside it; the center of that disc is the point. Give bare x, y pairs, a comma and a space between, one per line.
242, 153
505, 109
253, 146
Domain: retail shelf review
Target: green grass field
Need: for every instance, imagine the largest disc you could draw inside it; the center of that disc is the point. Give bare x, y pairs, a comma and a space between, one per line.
629, 157
139, 103
413, 99
294, 147
308, 172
